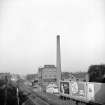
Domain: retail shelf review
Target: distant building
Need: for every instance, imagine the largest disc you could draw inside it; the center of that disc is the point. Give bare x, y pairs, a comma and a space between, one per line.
32, 77
14, 77
3, 75
77, 76
81, 76
68, 76
47, 74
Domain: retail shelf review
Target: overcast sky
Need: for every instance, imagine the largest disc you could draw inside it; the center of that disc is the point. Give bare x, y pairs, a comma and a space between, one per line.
28, 30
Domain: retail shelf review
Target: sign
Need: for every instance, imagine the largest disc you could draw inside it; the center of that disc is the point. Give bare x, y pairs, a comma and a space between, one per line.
78, 89
64, 87
74, 87
90, 91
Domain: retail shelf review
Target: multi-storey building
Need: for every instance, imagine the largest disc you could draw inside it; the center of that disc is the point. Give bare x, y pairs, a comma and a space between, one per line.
47, 74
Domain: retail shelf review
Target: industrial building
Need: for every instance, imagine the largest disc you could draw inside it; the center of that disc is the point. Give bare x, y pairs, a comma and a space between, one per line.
47, 75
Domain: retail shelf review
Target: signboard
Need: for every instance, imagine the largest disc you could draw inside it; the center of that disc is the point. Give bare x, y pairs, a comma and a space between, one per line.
78, 89
74, 87
90, 90
64, 87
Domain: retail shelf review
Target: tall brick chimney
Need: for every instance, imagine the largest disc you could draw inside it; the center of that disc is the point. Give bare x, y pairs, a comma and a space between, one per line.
58, 60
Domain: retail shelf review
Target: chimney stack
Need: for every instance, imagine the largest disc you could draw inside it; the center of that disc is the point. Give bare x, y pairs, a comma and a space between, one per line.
58, 60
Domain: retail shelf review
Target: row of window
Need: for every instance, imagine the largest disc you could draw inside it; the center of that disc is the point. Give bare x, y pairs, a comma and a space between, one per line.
49, 76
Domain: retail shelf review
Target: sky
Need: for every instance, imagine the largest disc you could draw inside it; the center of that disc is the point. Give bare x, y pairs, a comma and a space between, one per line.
28, 30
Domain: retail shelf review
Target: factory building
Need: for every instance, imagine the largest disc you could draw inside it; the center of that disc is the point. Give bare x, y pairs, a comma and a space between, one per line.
47, 75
